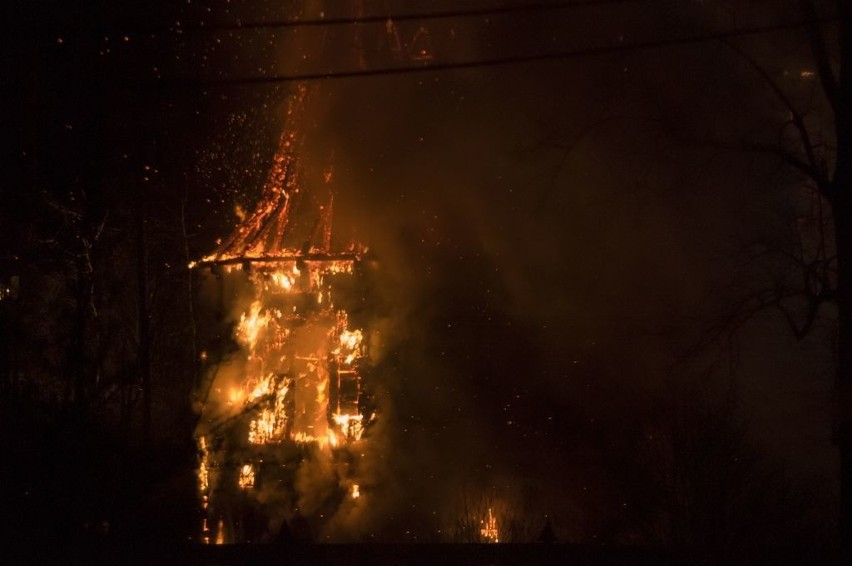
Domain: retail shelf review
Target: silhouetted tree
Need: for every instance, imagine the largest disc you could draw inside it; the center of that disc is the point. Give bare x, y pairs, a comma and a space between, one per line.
690, 476
824, 264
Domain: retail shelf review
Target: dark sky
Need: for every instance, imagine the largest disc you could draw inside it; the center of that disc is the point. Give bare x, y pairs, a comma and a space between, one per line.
553, 237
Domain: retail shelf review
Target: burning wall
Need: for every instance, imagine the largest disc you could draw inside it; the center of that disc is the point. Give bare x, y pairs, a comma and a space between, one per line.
285, 413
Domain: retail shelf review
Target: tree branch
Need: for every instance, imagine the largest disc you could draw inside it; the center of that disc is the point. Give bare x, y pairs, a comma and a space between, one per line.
820, 53
796, 117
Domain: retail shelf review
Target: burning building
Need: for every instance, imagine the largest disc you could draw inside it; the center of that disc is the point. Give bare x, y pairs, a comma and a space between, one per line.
287, 409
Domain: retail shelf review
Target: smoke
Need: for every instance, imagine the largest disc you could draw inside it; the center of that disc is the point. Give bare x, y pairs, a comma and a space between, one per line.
540, 238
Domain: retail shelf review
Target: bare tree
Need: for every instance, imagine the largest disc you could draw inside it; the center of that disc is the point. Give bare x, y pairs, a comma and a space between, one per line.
812, 269
824, 263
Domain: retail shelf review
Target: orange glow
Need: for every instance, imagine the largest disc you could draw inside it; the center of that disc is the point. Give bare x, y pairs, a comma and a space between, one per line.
203, 467
251, 324
295, 376
246, 480
489, 530
235, 396
349, 425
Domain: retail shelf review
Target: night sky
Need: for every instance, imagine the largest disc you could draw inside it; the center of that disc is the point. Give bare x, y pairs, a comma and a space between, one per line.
557, 242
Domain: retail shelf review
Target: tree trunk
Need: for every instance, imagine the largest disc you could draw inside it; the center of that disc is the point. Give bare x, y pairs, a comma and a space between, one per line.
84, 310
843, 229
842, 211
144, 323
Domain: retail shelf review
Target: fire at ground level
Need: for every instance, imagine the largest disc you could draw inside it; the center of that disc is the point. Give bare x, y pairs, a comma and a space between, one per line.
429, 554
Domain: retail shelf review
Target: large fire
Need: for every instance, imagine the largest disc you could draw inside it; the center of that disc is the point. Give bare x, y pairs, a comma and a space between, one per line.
299, 381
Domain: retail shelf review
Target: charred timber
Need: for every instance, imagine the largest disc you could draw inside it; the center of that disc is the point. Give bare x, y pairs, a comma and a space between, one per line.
318, 257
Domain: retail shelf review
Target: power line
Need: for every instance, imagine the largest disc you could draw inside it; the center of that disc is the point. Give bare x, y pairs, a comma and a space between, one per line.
500, 61
472, 13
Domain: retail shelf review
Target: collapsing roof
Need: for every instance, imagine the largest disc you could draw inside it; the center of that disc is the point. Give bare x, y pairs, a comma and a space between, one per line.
287, 223
289, 398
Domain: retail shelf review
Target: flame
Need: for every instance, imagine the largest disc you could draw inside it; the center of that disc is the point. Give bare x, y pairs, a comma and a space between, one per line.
261, 389
220, 532
250, 325
203, 467
298, 354
246, 480
262, 429
350, 339
285, 281
282, 280
235, 396
205, 528
351, 426
489, 528
305, 438
270, 424
349, 343
322, 386
341, 266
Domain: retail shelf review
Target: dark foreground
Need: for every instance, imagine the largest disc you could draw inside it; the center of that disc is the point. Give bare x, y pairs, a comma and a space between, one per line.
409, 554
